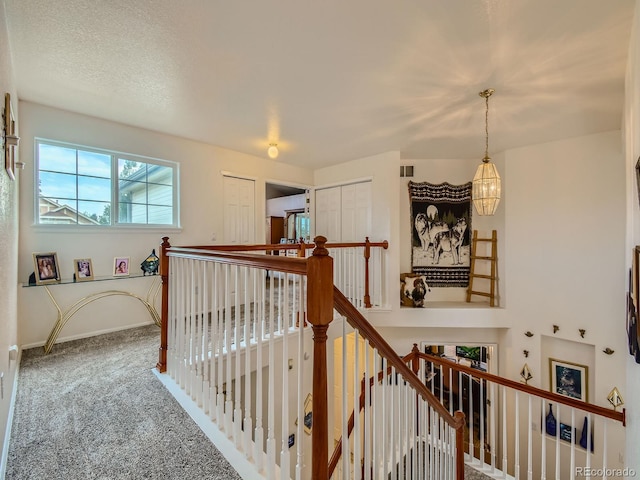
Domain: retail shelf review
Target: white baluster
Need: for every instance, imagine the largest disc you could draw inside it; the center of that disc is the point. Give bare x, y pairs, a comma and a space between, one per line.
249, 293
344, 416
573, 443
271, 440
517, 447
237, 391
543, 446
505, 464
300, 382
529, 438
258, 453
228, 325
284, 451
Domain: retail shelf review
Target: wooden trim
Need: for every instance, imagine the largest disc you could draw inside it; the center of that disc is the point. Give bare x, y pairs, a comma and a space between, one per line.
164, 312
356, 320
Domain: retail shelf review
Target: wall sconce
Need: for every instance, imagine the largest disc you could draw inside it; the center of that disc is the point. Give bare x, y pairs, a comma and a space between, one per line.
615, 398
272, 151
525, 374
10, 140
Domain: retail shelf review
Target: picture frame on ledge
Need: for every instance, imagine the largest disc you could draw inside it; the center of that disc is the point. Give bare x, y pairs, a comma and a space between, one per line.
83, 269
46, 268
569, 379
121, 266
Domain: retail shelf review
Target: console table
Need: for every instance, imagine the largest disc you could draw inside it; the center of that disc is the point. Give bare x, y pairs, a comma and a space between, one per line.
65, 314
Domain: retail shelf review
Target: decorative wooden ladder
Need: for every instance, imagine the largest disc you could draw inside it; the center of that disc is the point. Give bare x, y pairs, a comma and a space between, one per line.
493, 258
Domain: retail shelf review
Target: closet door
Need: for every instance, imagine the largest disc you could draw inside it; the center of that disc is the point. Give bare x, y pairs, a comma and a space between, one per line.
328, 215
239, 211
356, 212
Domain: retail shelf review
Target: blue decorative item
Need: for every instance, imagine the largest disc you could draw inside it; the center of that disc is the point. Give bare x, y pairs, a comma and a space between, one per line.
583, 437
551, 423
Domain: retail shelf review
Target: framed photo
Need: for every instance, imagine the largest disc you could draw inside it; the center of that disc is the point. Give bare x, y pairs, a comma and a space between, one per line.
565, 433
568, 379
120, 266
83, 269
46, 268
10, 130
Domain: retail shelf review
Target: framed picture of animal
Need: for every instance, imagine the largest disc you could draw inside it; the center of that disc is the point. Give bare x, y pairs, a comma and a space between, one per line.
413, 290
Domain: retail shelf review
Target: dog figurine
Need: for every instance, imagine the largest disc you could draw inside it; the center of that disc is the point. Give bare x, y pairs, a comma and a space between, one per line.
415, 290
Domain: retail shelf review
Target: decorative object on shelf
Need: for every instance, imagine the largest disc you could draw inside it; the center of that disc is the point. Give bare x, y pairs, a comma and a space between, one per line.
526, 353
555, 328
569, 379
525, 374
486, 181
528, 334
83, 269
120, 266
582, 332
413, 290
441, 239
551, 422
615, 399
151, 264
608, 351
567, 435
46, 268
584, 436
272, 151
308, 414
10, 140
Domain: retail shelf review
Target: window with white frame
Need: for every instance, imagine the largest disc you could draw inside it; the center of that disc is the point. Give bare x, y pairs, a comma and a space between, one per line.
87, 186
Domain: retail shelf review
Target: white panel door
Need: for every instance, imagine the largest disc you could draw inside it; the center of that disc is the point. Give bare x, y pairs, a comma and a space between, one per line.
328, 216
356, 212
239, 211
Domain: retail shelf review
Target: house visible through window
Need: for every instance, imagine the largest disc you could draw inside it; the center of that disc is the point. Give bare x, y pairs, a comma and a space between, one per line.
85, 186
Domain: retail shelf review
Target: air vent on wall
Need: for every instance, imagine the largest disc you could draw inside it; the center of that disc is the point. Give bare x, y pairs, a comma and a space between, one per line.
406, 171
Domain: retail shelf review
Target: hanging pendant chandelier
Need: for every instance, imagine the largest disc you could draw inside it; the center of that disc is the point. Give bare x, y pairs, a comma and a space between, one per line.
485, 191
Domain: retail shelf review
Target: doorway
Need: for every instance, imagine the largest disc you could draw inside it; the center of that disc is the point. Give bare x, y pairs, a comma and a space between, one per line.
287, 213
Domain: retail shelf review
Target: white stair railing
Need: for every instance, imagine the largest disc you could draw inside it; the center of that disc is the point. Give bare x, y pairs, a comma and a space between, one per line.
510, 431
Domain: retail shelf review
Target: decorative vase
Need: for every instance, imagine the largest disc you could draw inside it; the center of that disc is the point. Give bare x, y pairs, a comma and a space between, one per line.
583, 437
551, 422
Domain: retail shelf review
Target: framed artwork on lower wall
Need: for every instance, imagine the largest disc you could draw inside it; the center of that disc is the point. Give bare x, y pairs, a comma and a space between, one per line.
569, 379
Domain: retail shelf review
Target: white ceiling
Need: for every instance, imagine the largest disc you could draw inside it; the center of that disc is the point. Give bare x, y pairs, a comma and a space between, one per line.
331, 80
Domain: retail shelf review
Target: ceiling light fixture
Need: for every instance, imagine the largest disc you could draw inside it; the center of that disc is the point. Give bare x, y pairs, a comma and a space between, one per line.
486, 182
272, 151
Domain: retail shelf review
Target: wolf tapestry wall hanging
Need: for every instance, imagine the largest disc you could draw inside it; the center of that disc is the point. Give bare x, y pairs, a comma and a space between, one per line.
440, 240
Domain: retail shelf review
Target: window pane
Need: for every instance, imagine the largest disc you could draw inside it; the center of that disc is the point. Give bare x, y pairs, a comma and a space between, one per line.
132, 213
94, 213
94, 164
91, 188
60, 185
132, 192
160, 195
160, 174
57, 159
57, 211
130, 170
159, 215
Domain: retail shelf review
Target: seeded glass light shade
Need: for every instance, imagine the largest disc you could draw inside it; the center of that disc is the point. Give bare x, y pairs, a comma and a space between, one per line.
485, 191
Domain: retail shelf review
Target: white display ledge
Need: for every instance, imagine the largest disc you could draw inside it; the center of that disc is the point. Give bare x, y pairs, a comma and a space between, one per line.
442, 314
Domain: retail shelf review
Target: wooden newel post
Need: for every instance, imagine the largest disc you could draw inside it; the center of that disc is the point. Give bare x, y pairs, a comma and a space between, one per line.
415, 360
459, 416
320, 315
164, 313
367, 256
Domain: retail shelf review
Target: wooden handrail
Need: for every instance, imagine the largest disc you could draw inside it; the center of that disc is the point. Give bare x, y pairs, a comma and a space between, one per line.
345, 308
270, 262
287, 246
536, 392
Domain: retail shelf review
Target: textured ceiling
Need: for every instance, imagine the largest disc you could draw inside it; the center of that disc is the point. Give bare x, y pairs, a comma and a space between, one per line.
331, 80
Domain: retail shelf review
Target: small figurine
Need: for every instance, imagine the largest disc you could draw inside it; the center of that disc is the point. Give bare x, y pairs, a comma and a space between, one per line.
150, 264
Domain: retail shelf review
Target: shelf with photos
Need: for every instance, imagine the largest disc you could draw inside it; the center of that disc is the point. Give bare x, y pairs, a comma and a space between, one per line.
47, 270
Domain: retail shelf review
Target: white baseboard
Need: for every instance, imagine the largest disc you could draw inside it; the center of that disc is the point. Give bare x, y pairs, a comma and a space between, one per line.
88, 334
12, 404
244, 467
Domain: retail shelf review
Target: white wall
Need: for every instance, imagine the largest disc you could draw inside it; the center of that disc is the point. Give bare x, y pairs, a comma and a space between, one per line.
201, 216
632, 152
277, 207
8, 247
